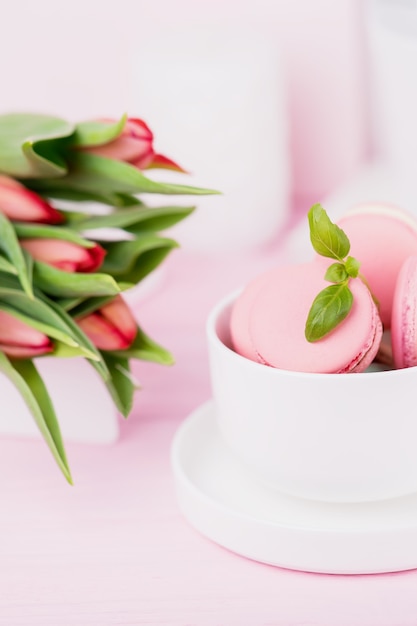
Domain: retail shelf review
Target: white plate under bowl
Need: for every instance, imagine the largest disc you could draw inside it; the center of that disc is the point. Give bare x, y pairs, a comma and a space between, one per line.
223, 500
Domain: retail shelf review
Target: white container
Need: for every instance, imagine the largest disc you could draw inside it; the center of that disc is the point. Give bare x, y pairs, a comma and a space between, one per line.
329, 437
216, 99
392, 27
83, 406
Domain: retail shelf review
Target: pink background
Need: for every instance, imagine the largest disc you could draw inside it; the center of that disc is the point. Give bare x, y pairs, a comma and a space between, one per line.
114, 549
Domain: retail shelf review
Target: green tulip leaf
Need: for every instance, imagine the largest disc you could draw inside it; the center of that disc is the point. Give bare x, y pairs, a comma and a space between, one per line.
120, 383
78, 197
39, 231
88, 305
9, 244
6, 266
145, 349
135, 220
24, 375
97, 133
31, 145
61, 284
82, 340
96, 174
43, 315
131, 261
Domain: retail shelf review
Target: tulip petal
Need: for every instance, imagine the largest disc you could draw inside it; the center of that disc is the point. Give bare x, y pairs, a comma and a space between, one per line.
28, 352
18, 334
138, 128
103, 334
118, 313
125, 149
112, 327
64, 255
21, 204
160, 161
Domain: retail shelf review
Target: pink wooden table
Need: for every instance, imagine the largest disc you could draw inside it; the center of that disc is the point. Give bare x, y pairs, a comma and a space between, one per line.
114, 549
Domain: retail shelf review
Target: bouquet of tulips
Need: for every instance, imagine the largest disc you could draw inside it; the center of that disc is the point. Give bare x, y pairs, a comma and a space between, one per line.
61, 277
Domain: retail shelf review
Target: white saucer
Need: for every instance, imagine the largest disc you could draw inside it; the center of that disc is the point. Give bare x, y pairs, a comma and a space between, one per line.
223, 500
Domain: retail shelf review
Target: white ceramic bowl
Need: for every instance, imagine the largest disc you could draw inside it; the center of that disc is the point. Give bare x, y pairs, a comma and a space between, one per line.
331, 437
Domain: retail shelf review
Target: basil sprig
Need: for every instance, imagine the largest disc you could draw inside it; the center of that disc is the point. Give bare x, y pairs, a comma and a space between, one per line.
332, 305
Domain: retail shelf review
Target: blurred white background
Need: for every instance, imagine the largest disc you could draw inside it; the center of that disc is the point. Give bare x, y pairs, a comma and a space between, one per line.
305, 130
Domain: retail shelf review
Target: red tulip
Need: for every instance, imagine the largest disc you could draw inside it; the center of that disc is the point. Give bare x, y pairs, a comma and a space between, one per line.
22, 205
135, 146
112, 327
65, 255
19, 340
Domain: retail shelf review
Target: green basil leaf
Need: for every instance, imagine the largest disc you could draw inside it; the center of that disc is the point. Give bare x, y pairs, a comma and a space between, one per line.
329, 309
24, 375
336, 273
352, 266
328, 239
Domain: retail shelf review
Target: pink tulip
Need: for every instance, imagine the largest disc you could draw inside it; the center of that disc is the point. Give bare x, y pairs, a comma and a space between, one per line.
112, 327
22, 205
19, 340
135, 146
65, 255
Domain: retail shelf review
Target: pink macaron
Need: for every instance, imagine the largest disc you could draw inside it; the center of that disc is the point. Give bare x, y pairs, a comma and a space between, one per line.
381, 237
404, 316
268, 323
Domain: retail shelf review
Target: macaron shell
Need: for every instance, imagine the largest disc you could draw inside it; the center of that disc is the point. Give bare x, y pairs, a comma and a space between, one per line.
239, 319
277, 323
404, 313
381, 238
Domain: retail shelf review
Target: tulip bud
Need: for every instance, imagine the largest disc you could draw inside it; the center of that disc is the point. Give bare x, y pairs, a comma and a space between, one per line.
19, 340
135, 146
64, 255
112, 327
22, 205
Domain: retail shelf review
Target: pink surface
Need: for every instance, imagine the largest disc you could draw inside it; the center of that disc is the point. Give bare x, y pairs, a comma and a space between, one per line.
114, 549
